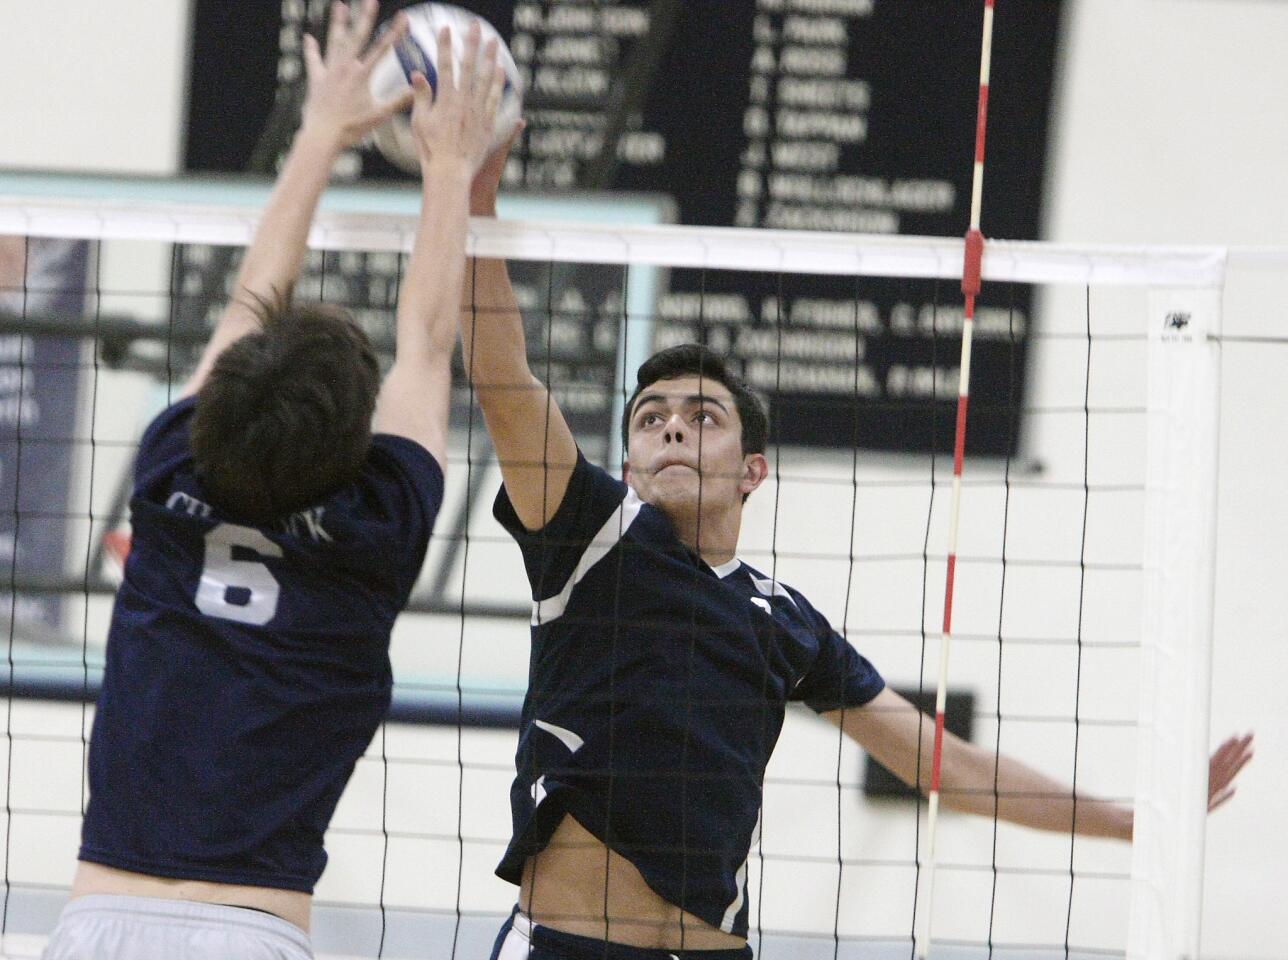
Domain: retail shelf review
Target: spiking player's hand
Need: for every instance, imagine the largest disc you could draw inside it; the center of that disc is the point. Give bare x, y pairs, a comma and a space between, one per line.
339, 102
457, 122
1231, 757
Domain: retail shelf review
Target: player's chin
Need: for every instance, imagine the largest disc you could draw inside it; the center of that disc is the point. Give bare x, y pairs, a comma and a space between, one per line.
684, 490
665, 492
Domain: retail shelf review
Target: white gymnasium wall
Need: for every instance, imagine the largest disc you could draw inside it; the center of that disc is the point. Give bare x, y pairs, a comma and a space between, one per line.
1171, 127
93, 86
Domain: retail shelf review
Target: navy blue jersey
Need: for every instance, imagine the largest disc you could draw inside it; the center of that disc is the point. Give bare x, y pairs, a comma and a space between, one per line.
247, 667
656, 693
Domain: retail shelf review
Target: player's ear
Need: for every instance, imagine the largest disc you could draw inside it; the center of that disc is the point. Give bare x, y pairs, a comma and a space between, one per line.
626, 472
755, 468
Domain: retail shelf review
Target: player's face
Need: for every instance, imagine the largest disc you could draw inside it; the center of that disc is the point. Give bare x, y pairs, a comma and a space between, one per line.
685, 445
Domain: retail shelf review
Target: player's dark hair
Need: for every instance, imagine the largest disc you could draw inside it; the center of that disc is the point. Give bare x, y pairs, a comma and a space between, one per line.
695, 360
284, 418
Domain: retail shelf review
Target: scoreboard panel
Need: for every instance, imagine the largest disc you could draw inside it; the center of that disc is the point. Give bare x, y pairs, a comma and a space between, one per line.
850, 115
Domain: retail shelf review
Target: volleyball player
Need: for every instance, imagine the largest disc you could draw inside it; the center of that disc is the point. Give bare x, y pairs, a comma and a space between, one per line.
661, 664
275, 539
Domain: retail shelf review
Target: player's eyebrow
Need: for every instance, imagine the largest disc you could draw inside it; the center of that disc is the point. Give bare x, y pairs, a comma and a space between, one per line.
693, 399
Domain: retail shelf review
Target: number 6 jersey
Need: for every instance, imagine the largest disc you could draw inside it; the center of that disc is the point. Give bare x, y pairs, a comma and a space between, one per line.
247, 667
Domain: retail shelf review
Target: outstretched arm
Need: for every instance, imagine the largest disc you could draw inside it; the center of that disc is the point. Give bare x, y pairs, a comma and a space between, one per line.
453, 132
338, 111
973, 779
533, 443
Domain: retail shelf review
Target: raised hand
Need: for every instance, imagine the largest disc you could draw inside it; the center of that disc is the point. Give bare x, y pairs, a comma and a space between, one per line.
339, 101
1228, 759
457, 121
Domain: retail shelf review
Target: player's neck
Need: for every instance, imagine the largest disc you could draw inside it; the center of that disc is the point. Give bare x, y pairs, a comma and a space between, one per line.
711, 533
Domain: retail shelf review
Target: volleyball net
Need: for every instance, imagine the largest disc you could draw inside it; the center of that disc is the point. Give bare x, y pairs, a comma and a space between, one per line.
1083, 610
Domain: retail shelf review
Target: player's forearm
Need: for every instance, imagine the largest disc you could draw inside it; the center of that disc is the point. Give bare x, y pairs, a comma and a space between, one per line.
427, 304
492, 338
272, 262
975, 780
533, 443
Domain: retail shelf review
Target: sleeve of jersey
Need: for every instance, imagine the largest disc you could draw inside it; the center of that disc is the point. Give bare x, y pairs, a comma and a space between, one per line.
553, 554
840, 676
403, 486
163, 447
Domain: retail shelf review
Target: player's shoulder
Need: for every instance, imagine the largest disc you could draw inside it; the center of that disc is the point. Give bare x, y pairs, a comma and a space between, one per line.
164, 448
171, 419
767, 580
768, 584
587, 471
591, 496
403, 455
399, 489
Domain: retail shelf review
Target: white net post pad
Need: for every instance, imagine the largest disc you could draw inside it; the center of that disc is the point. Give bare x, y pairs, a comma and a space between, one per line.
1176, 652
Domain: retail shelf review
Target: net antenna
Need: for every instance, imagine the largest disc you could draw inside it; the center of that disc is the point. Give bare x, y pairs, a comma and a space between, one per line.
971, 270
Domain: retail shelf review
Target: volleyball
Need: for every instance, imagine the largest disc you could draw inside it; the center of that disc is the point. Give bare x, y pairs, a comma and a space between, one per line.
419, 51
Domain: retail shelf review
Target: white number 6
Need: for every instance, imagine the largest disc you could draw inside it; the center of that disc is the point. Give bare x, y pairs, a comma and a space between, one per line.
222, 573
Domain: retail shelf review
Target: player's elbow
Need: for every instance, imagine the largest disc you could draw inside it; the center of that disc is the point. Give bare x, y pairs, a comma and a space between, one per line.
968, 777
491, 368
513, 397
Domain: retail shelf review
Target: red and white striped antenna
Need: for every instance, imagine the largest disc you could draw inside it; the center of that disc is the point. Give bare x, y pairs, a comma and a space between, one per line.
971, 268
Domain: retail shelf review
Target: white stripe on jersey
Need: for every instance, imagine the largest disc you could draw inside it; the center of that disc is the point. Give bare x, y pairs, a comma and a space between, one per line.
552, 608
741, 881
772, 588
566, 736
568, 739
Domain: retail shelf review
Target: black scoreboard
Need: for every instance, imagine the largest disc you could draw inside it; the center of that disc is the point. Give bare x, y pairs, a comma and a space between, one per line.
849, 115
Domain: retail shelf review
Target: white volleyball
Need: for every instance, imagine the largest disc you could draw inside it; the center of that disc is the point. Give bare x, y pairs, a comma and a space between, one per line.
419, 51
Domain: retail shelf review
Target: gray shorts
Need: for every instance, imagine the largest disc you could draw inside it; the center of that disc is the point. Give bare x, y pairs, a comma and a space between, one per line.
144, 928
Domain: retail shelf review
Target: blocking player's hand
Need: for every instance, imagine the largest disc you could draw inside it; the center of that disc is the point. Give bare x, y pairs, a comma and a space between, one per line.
339, 103
456, 122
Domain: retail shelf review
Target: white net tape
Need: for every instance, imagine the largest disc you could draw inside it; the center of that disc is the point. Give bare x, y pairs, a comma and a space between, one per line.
670, 246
